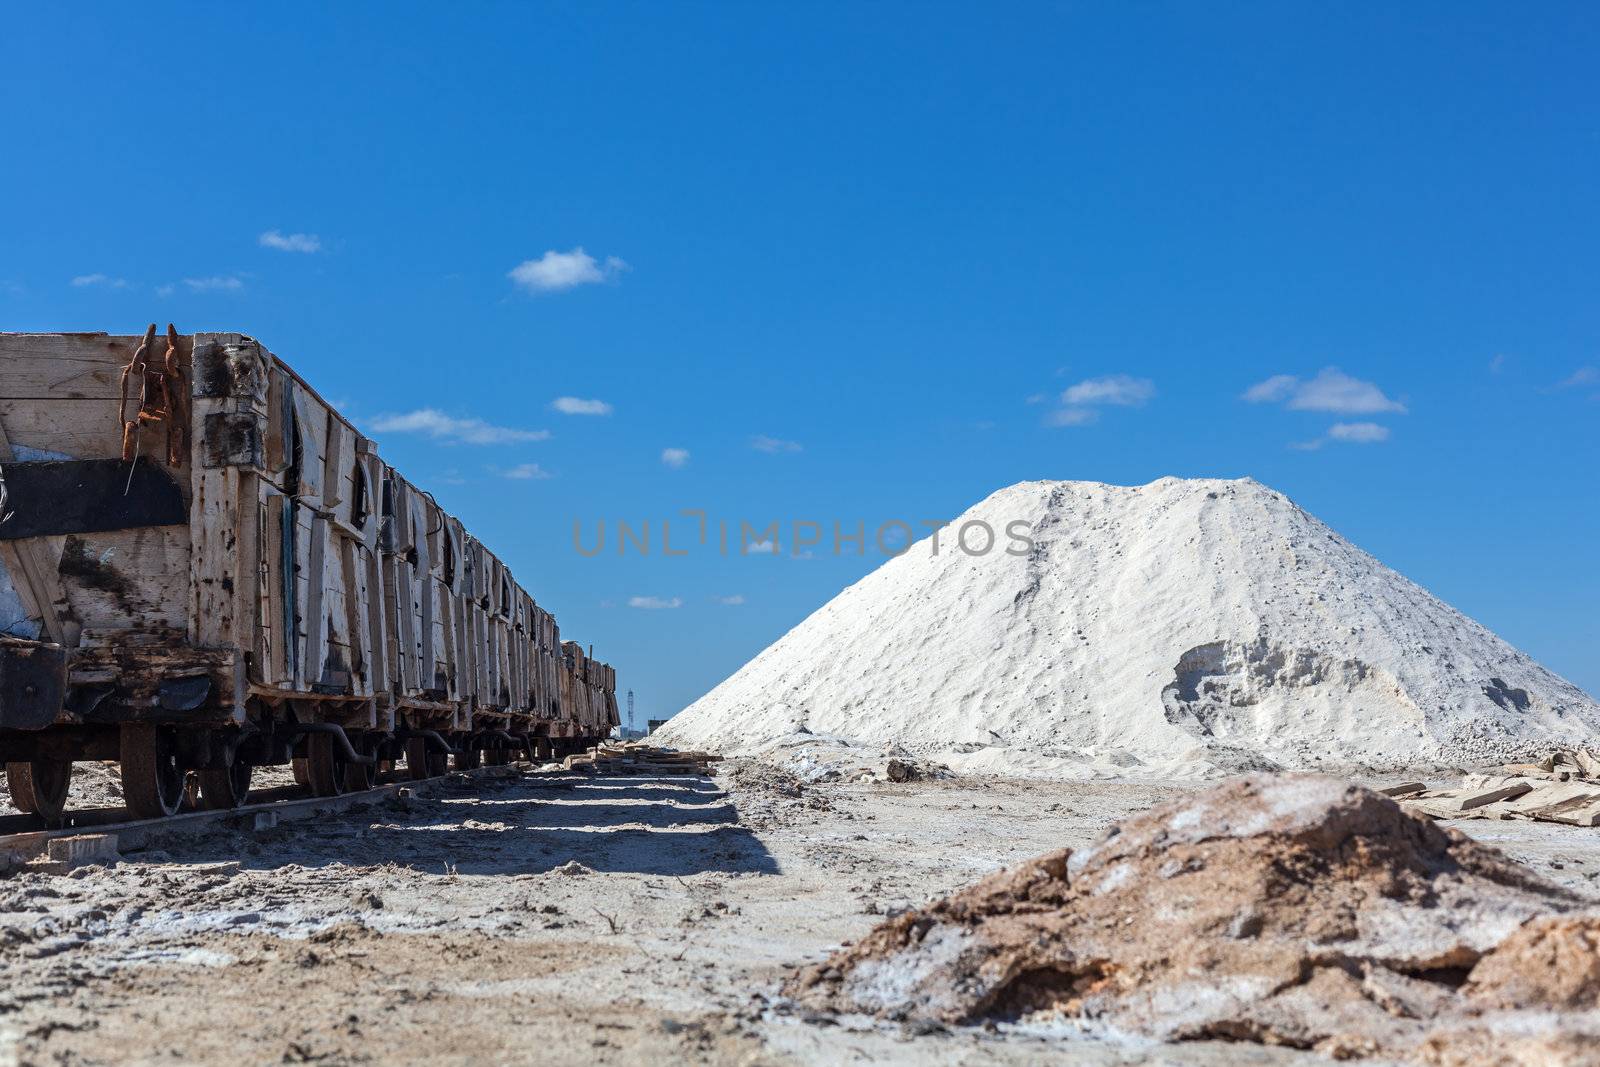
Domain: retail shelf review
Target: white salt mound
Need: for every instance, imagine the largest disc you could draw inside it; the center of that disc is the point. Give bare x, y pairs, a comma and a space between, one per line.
1179, 628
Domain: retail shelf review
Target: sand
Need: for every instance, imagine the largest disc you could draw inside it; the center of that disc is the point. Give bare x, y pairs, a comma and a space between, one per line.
473, 927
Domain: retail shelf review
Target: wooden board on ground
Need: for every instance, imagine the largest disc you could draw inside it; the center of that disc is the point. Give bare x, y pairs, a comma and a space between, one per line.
1564, 787
639, 760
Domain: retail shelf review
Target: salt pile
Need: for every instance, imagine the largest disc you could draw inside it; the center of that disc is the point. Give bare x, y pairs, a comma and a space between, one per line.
1177, 628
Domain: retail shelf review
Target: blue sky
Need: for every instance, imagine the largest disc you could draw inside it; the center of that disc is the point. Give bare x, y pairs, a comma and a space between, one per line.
863, 262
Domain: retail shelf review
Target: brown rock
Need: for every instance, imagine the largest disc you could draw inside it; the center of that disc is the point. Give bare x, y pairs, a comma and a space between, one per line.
1290, 909
1548, 963
1511, 1046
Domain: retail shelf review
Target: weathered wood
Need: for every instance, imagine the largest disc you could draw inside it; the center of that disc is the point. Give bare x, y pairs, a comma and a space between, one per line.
118, 583
277, 590
1531, 770
424, 518
314, 620
75, 366
60, 394
402, 599
379, 667
64, 430
355, 616
311, 418
280, 424
31, 566
1575, 812
335, 464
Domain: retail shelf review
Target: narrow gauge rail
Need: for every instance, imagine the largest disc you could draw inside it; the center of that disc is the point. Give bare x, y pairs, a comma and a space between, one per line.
109, 820
23, 837
205, 568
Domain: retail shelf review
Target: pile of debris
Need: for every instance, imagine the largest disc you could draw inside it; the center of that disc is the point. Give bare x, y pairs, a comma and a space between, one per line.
636, 757
1563, 787
1290, 910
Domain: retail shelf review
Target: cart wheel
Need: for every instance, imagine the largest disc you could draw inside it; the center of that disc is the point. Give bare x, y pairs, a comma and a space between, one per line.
152, 779
417, 767
362, 776
325, 765
302, 776
19, 779
40, 787
468, 758
226, 788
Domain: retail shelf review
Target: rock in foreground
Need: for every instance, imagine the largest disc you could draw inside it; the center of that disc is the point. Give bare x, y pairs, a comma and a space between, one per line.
1294, 910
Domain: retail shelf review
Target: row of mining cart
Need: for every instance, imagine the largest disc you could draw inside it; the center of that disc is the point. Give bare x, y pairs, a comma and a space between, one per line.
204, 567
1564, 787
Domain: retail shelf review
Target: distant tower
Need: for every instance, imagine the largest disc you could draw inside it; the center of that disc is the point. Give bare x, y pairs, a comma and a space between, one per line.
630, 710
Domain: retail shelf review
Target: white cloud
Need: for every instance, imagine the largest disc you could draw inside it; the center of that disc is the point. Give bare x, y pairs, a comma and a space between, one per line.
762, 443
215, 283
442, 427
1072, 417
1276, 388
1331, 390
555, 271
525, 472
1358, 433
730, 601
675, 458
575, 405
291, 242
166, 290
1121, 389
761, 548
84, 280
1350, 433
1497, 364
1581, 376
1078, 401
654, 603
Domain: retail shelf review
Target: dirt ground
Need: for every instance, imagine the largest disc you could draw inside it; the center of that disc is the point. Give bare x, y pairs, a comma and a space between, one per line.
553, 918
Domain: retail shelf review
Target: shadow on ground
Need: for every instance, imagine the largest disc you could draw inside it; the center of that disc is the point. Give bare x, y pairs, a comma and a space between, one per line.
678, 826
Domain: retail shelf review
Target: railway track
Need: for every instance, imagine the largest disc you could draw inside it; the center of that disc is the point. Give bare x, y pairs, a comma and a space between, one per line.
24, 838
